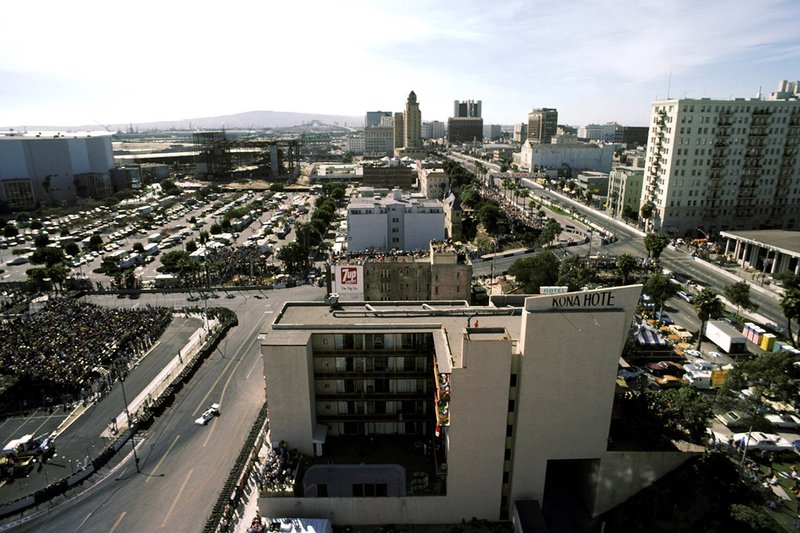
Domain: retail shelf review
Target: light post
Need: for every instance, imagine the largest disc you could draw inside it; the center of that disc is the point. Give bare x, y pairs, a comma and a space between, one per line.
121, 374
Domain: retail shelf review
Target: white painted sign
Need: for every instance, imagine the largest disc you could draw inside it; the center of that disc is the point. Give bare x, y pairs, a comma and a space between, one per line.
349, 279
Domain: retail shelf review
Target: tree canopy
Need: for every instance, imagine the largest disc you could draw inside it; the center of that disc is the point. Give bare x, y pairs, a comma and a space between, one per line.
655, 244
790, 305
535, 271
707, 305
659, 288
739, 295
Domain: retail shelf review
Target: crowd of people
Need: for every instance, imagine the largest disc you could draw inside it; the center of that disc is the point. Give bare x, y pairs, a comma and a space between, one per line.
279, 468
62, 345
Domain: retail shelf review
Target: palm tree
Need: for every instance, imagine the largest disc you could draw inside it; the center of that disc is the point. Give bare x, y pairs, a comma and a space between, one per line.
707, 305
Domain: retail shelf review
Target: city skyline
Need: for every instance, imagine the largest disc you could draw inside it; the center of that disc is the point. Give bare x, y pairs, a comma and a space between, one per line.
595, 63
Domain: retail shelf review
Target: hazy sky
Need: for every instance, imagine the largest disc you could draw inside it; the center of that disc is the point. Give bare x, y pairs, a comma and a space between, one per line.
81, 62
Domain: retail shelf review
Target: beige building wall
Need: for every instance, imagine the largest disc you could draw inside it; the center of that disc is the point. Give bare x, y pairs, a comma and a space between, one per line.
478, 419
399, 130
571, 345
290, 391
434, 184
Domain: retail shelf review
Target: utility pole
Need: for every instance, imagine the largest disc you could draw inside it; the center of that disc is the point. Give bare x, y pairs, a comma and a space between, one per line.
121, 374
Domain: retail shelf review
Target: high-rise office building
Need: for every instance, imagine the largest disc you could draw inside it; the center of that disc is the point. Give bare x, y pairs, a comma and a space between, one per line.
412, 123
467, 108
542, 125
374, 118
433, 129
464, 129
399, 130
724, 164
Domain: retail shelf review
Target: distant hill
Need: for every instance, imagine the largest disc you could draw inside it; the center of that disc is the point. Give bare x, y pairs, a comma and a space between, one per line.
249, 119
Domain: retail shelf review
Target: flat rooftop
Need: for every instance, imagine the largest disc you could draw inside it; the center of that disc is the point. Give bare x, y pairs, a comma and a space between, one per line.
447, 320
783, 240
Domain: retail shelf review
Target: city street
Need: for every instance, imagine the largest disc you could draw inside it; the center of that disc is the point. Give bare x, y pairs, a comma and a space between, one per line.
183, 465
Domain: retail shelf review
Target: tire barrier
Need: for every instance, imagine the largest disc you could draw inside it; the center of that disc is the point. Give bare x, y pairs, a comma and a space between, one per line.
233, 490
144, 419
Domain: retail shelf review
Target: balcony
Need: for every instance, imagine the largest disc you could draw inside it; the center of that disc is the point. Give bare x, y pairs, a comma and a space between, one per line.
365, 373
442, 397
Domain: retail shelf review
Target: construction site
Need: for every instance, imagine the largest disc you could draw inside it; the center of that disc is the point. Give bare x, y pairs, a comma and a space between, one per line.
220, 158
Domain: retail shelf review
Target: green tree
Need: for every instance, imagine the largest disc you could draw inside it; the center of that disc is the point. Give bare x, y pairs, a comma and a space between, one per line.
203, 236
71, 248
647, 211
660, 289
47, 256
788, 280
550, 231
490, 215
575, 273
9, 231
628, 213
540, 269
707, 305
338, 191
294, 257
138, 247
627, 265
692, 411
36, 224
772, 375
790, 305
191, 246
655, 244
215, 229
40, 241
95, 242
739, 295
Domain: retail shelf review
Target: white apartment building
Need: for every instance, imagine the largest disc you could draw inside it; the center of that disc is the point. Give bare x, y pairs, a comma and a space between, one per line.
581, 156
54, 167
436, 412
433, 183
724, 164
433, 130
608, 132
394, 222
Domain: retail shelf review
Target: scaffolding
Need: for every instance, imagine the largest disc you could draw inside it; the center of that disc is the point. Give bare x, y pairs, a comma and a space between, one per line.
221, 159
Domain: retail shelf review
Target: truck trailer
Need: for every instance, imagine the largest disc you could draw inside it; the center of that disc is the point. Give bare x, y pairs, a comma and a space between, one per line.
728, 338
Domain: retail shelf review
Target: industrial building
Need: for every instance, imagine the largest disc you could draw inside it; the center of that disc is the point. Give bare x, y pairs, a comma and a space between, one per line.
571, 157
54, 168
724, 165
437, 412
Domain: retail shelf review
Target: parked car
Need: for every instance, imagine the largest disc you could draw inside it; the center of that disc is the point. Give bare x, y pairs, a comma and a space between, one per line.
783, 421
683, 295
732, 419
669, 381
208, 414
757, 440
680, 331
665, 318
666, 368
699, 366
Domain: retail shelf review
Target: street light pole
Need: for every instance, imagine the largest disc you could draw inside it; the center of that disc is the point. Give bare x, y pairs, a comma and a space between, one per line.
127, 413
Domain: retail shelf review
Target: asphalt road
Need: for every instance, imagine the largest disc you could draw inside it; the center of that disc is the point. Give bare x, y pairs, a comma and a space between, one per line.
630, 241
183, 465
82, 438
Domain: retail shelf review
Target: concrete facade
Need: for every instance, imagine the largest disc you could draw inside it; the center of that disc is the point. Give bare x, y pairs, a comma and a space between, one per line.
624, 189
724, 164
577, 157
539, 379
412, 123
54, 168
378, 141
769, 251
433, 183
393, 223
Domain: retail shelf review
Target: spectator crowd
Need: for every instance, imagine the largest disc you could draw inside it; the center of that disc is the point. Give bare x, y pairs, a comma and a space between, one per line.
61, 346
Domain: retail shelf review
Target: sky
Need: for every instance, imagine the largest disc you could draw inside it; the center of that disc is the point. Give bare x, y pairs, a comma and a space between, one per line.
100, 62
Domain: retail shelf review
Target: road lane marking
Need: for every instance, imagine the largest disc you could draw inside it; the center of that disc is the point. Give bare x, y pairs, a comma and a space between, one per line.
88, 516
222, 374
118, 522
177, 497
152, 472
258, 359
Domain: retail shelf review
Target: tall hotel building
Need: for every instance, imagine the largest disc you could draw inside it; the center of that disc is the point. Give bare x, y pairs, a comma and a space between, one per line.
437, 412
724, 164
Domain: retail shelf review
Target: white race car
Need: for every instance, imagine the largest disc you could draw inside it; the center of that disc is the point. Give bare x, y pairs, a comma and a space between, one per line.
208, 414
